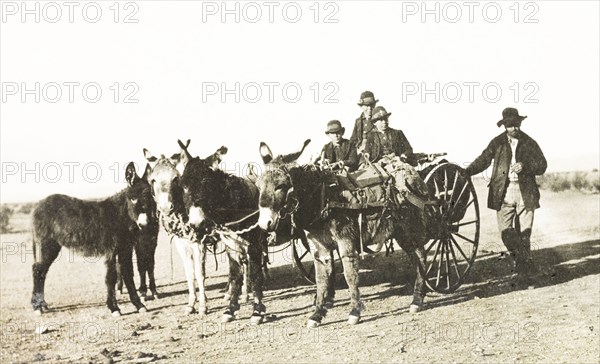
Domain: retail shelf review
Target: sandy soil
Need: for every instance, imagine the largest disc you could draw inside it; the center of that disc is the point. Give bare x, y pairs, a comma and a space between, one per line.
486, 320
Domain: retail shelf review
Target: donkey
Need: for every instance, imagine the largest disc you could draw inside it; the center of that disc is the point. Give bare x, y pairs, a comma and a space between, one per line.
213, 199
145, 249
106, 228
168, 194
292, 191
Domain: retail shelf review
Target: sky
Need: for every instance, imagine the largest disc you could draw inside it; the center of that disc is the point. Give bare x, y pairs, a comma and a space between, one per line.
111, 80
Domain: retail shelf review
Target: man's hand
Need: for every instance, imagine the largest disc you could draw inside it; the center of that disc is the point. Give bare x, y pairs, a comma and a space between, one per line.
517, 167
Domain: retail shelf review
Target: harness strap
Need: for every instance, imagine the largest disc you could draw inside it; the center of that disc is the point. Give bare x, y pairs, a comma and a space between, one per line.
415, 200
242, 219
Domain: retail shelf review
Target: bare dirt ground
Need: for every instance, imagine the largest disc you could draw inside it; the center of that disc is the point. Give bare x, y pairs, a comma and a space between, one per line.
486, 320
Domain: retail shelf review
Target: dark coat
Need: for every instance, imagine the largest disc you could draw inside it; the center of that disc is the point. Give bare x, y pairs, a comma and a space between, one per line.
347, 151
528, 153
360, 131
400, 145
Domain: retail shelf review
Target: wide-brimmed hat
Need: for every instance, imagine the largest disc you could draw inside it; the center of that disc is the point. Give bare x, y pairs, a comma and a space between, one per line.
511, 117
367, 98
334, 126
380, 113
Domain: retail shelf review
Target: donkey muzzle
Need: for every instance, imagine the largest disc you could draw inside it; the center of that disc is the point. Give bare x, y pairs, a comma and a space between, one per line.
196, 216
142, 220
267, 219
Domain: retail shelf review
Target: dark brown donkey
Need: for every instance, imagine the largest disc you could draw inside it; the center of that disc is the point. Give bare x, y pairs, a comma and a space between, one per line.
213, 199
289, 190
106, 228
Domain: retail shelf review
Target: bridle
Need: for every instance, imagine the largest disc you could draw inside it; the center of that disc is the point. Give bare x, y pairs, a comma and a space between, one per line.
292, 204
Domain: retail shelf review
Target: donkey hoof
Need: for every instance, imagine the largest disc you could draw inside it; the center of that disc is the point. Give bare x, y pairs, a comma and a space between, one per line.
257, 319
38, 312
312, 324
155, 294
142, 309
203, 310
116, 314
244, 298
143, 299
328, 304
227, 317
414, 308
189, 310
353, 320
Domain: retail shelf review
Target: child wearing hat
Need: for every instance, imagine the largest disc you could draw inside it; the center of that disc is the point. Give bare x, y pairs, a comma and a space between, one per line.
339, 152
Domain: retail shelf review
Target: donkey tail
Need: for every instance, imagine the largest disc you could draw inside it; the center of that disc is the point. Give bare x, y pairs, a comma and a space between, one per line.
34, 243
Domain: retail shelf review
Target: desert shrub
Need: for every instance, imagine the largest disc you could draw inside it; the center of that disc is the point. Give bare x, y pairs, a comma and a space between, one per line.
5, 215
554, 182
580, 181
593, 181
26, 208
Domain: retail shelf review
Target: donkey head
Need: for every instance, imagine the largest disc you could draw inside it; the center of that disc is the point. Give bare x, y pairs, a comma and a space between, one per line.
165, 181
276, 198
201, 184
141, 207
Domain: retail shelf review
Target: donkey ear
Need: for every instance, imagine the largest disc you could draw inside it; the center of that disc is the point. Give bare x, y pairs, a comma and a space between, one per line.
185, 156
265, 153
149, 157
130, 174
251, 174
289, 158
217, 157
147, 172
175, 158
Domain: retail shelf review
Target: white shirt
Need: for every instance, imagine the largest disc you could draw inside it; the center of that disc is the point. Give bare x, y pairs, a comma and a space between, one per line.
512, 176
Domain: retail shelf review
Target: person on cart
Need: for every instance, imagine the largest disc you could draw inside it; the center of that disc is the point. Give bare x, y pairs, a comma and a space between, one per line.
363, 125
391, 149
339, 154
513, 191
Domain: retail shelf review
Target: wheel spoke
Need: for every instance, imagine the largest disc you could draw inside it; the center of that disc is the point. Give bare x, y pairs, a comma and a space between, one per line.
447, 265
437, 280
445, 185
459, 197
460, 250
453, 189
437, 188
437, 250
455, 261
464, 238
469, 204
431, 246
303, 255
467, 223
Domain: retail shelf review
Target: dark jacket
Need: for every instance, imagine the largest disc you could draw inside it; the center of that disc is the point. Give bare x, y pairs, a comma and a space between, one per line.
360, 131
528, 153
347, 153
400, 145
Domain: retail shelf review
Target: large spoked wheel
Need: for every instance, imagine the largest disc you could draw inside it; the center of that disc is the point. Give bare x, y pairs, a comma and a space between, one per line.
452, 226
303, 258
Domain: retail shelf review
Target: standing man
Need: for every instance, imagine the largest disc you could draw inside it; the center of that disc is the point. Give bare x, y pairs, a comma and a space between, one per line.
363, 124
339, 152
513, 191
